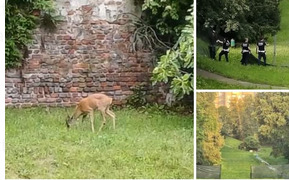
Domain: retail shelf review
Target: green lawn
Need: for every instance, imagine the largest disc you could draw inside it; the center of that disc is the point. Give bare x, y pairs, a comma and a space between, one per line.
236, 163
283, 35
269, 75
144, 145
204, 83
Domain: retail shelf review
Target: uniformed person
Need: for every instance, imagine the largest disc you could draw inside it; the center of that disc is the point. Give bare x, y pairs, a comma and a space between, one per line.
225, 50
212, 46
260, 49
245, 52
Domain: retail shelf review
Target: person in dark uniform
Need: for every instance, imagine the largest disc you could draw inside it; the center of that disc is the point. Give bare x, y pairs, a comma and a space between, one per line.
245, 52
212, 46
260, 49
225, 50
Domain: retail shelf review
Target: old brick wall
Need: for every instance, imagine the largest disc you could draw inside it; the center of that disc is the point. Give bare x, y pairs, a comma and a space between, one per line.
90, 52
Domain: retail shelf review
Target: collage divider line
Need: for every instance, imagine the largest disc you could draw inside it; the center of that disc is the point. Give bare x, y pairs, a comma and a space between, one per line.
195, 88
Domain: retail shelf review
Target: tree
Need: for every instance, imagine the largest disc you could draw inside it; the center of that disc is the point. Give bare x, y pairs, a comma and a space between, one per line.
237, 120
176, 66
172, 22
239, 18
209, 139
227, 124
236, 107
250, 143
272, 114
250, 124
167, 17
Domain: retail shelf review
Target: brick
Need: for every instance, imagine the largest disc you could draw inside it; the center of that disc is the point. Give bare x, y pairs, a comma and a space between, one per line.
73, 89
51, 100
54, 95
116, 87
26, 96
26, 105
71, 12
65, 38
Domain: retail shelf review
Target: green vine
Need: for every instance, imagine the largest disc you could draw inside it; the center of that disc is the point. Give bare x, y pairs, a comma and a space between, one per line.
22, 17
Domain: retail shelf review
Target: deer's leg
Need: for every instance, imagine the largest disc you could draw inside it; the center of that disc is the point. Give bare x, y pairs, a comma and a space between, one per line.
92, 120
104, 120
112, 115
83, 117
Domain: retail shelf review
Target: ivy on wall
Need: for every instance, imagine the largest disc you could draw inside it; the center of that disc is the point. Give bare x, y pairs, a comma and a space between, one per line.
22, 17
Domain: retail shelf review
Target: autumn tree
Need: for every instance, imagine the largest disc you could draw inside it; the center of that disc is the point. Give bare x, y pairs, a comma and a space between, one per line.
249, 123
272, 114
236, 108
224, 117
237, 119
209, 139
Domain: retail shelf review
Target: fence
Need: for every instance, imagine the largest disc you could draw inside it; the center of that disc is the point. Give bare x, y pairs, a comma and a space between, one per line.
270, 172
208, 172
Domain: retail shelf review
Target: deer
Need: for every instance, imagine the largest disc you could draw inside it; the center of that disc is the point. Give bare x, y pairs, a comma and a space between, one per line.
88, 105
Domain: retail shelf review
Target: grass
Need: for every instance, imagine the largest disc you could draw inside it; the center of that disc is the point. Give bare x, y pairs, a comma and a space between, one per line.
271, 75
144, 145
283, 35
204, 83
236, 163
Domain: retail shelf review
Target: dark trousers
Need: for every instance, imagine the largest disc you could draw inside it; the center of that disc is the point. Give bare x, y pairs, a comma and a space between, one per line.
260, 55
245, 57
212, 50
224, 53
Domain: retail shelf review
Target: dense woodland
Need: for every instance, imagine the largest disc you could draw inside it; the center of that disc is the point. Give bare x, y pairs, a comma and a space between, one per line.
259, 120
238, 18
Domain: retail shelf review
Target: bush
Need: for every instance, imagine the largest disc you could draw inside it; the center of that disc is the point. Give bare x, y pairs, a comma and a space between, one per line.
22, 17
250, 143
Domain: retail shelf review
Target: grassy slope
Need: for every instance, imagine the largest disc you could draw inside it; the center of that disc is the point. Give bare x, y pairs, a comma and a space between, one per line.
38, 145
283, 35
204, 83
236, 163
277, 76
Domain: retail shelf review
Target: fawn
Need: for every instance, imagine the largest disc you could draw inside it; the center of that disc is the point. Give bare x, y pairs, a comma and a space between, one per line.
87, 105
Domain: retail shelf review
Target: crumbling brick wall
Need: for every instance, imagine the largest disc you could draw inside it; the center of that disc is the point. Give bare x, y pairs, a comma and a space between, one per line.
89, 52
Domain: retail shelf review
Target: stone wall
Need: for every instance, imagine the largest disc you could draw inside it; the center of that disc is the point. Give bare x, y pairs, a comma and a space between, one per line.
90, 52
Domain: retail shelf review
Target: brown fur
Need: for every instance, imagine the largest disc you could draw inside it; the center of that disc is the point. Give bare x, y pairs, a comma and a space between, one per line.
87, 105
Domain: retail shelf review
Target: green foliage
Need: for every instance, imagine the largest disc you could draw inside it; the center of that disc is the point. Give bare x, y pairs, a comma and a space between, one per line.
239, 18
236, 109
237, 119
250, 143
273, 116
139, 96
19, 25
227, 121
250, 124
176, 66
209, 139
204, 83
236, 163
269, 75
166, 16
38, 145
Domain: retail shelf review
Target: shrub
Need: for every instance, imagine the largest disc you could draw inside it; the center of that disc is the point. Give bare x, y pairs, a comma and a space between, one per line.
250, 143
